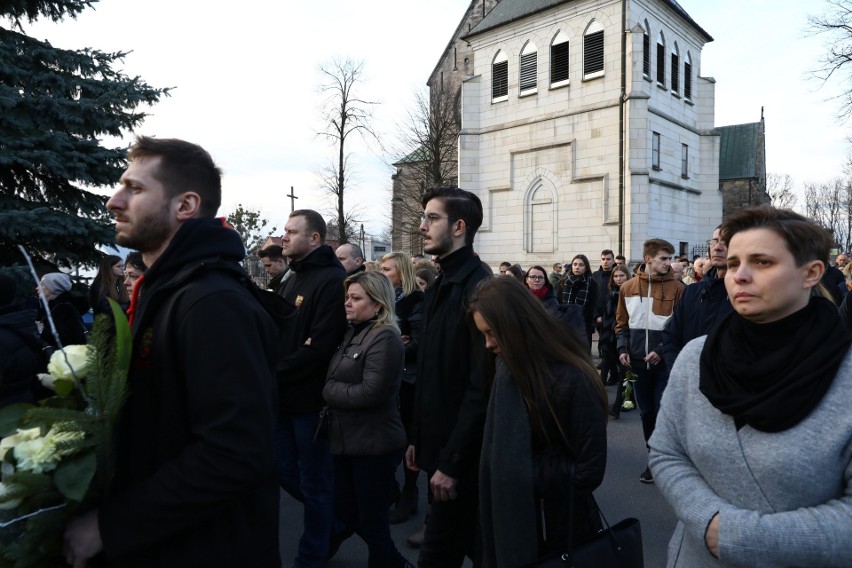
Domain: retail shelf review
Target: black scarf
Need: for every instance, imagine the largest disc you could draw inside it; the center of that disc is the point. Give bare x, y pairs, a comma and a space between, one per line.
772, 375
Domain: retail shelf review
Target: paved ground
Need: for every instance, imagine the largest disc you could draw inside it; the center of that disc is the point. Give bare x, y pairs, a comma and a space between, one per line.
621, 495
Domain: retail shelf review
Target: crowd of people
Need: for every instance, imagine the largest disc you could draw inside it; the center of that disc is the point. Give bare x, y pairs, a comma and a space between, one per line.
483, 385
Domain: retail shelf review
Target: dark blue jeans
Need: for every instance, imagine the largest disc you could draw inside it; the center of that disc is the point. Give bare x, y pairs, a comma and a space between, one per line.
648, 390
305, 471
362, 496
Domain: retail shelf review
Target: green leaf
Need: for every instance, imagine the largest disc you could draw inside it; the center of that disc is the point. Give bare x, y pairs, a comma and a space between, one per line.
63, 387
11, 416
123, 341
74, 475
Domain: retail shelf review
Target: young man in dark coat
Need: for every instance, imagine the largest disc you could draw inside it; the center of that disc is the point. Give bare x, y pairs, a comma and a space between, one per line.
449, 408
195, 480
304, 463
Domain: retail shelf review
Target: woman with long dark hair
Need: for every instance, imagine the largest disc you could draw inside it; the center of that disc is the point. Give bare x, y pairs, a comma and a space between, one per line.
752, 442
547, 411
399, 270
578, 287
365, 431
108, 283
609, 367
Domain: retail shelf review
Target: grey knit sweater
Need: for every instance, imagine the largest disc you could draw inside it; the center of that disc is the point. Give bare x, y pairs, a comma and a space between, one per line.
784, 499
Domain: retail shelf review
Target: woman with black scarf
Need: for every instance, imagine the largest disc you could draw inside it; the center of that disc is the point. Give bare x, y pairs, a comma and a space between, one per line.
547, 411
752, 444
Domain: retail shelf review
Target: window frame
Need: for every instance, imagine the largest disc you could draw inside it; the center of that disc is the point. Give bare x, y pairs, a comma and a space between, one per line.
594, 30
687, 77
661, 60
646, 51
655, 151
560, 40
684, 161
528, 58
502, 60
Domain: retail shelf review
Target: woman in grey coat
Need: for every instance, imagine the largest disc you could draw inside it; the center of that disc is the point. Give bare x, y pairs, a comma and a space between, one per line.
753, 445
365, 431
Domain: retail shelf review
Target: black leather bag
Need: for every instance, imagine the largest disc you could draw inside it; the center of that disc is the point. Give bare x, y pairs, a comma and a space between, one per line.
617, 546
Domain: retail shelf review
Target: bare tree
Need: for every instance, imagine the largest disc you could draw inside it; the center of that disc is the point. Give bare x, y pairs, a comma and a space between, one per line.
836, 24
428, 140
829, 204
780, 190
344, 113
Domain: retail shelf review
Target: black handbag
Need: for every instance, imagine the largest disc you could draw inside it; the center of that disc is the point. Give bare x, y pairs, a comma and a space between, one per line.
617, 546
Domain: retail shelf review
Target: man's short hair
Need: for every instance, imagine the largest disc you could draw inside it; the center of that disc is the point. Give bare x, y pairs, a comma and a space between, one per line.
556, 265
620, 257
459, 204
184, 166
506, 264
606, 252
653, 246
314, 222
355, 250
272, 252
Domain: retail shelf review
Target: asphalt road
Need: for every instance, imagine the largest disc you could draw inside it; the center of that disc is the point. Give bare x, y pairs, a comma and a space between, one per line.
621, 495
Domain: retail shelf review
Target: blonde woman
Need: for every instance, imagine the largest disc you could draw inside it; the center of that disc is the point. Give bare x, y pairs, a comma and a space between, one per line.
365, 430
399, 270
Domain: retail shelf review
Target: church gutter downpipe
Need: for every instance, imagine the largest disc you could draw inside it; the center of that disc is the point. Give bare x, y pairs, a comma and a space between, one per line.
621, 143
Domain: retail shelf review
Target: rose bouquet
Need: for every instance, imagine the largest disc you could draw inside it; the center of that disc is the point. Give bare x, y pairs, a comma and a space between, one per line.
56, 456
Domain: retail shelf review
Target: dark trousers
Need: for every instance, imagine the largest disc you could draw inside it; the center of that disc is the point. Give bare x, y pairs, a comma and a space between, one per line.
648, 390
610, 367
452, 531
362, 495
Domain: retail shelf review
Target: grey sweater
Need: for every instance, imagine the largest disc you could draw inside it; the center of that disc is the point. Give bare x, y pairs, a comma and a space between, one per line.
784, 499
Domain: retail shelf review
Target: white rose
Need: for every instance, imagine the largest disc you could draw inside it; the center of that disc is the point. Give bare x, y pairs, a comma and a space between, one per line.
9, 442
5, 503
78, 357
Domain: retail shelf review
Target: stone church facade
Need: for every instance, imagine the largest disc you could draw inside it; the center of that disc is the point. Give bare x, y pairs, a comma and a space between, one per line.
562, 161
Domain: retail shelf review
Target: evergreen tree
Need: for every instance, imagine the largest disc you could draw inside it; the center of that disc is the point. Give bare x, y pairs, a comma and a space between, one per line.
55, 107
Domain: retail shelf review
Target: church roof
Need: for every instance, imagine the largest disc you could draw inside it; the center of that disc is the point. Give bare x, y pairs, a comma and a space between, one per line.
507, 11
738, 150
418, 155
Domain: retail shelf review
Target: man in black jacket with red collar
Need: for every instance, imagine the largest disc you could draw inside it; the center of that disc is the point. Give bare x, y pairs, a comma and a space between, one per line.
449, 408
304, 463
195, 478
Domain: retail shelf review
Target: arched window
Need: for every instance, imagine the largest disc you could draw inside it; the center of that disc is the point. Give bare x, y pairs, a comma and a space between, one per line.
593, 50
646, 51
675, 69
661, 59
540, 217
687, 77
500, 77
559, 60
529, 68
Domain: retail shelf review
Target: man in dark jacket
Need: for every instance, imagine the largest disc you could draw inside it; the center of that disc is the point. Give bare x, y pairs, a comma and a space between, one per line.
449, 409
21, 356
703, 305
304, 464
195, 478
275, 264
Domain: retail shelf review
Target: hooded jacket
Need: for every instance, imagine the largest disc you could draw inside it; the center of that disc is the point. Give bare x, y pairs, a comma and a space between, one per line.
316, 289
645, 303
20, 355
195, 481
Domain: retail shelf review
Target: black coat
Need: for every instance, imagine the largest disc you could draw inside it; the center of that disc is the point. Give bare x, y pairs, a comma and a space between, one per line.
68, 321
409, 313
607, 330
703, 305
195, 482
21, 356
449, 406
601, 278
316, 289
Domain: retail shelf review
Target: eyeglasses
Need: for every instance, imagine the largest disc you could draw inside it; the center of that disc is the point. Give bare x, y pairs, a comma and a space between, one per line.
714, 242
535, 277
432, 217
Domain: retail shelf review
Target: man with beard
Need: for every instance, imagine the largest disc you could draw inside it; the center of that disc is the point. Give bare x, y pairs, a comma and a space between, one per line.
449, 408
703, 305
304, 463
195, 479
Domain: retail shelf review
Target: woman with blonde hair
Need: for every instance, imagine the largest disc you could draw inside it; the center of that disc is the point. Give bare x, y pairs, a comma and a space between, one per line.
399, 270
365, 431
